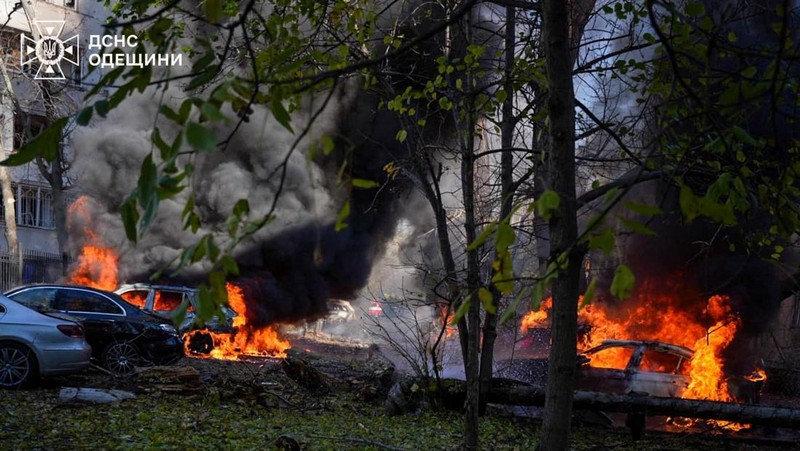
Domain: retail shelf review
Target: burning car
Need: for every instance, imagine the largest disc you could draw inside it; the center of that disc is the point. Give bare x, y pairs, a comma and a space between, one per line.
635, 366
121, 335
625, 366
163, 300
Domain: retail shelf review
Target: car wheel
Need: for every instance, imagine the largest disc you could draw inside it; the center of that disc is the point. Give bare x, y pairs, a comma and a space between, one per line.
18, 365
201, 343
121, 358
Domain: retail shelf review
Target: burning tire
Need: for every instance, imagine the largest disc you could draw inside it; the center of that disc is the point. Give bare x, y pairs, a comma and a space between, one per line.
18, 365
121, 358
201, 343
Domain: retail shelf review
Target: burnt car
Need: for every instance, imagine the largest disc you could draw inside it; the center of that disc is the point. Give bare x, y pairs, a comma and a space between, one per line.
163, 300
632, 366
34, 344
624, 366
121, 335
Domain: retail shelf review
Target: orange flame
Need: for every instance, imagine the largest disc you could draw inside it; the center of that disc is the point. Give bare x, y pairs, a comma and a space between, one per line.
97, 265
134, 298
636, 321
245, 340
447, 322
757, 375
707, 377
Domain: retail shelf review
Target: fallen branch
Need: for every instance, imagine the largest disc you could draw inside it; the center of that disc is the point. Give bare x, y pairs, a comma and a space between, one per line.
284, 400
509, 392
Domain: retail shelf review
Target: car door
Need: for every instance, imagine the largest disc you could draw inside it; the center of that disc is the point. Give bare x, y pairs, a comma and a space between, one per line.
608, 369
660, 373
100, 315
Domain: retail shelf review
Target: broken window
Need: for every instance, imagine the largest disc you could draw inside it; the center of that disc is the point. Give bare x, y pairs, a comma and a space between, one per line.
662, 362
167, 301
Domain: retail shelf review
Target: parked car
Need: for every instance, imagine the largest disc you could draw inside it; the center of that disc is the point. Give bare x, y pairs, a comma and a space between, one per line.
392, 315
122, 336
163, 300
34, 344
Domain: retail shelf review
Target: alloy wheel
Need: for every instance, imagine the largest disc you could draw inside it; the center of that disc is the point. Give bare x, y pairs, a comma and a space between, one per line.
121, 358
15, 366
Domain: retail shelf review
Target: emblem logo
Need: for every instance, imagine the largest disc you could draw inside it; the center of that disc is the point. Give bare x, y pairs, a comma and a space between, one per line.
49, 50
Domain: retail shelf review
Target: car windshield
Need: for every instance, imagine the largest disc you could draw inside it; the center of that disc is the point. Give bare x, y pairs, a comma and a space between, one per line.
615, 357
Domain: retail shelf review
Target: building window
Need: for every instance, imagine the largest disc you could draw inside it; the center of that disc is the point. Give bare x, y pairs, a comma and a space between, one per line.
34, 206
66, 3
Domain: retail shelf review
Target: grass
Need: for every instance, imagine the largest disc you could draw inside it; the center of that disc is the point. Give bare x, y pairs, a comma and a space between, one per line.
234, 412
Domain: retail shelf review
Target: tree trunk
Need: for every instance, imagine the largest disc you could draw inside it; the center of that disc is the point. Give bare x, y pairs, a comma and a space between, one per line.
514, 393
506, 196
7, 136
562, 225
473, 282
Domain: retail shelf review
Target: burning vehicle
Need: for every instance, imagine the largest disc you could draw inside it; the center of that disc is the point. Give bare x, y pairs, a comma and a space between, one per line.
650, 367
649, 346
163, 300
121, 335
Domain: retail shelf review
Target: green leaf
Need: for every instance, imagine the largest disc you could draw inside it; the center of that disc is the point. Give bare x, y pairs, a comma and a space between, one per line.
503, 267
242, 207
200, 137
401, 135
487, 300
44, 145
623, 282
547, 204
589, 294
85, 116
505, 236
280, 113
102, 107
179, 314
213, 10
212, 250
150, 210
603, 241
743, 136
147, 180
130, 217
341, 220
637, 227
229, 265
482, 237
212, 113
695, 9
688, 203
327, 145
462, 310
364, 184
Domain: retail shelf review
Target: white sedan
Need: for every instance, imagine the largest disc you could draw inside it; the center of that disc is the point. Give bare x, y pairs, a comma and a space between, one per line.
34, 344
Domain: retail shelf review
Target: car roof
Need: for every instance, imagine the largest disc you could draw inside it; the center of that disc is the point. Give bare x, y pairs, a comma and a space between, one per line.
58, 285
650, 344
147, 286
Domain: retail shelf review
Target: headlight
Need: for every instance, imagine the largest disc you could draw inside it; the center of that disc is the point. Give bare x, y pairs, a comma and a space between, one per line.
169, 328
